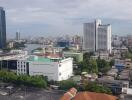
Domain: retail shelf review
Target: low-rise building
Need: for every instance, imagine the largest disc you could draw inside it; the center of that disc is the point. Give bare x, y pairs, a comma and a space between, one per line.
76, 55
101, 55
54, 69
8, 61
128, 63
119, 64
13, 55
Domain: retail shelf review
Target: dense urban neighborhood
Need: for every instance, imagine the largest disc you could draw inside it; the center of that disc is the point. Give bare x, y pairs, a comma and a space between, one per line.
94, 66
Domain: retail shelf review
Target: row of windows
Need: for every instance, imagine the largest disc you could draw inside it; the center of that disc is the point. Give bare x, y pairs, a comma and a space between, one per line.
21, 70
21, 66
21, 62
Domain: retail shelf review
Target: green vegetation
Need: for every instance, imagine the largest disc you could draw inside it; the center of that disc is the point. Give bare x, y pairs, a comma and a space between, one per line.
112, 62
93, 66
94, 87
39, 49
128, 55
66, 49
36, 81
66, 84
6, 49
103, 66
88, 64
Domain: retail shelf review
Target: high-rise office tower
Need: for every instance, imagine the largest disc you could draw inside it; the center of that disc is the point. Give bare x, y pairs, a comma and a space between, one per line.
97, 36
2, 28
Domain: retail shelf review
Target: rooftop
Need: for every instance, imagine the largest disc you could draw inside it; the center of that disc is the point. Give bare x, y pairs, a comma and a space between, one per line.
93, 96
73, 95
41, 59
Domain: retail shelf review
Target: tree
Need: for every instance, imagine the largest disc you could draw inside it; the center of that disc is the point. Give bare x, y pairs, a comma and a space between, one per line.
88, 64
36, 81
92, 67
94, 87
66, 49
67, 84
112, 62
87, 56
128, 55
103, 66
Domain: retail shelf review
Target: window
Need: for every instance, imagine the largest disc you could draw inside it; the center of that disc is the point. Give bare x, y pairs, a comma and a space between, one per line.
24, 66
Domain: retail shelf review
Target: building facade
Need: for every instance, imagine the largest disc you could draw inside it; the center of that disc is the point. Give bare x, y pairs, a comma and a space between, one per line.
97, 36
104, 38
89, 36
56, 70
2, 28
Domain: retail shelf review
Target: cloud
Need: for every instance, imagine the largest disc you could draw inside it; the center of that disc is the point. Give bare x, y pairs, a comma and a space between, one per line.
63, 16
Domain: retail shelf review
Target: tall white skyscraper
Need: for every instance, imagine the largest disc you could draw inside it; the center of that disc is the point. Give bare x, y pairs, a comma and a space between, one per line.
97, 36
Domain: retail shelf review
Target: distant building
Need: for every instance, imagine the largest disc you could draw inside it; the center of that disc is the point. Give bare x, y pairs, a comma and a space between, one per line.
54, 69
10, 44
2, 28
76, 55
77, 40
101, 55
63, 43
97, 36
119, 64
129, 40
9, 60
116, 41
17, 35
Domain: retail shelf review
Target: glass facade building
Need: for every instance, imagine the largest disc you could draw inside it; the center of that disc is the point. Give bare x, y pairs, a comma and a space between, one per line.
2, 28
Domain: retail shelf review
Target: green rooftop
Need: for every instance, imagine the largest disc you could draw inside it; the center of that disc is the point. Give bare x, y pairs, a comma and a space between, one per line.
41, 59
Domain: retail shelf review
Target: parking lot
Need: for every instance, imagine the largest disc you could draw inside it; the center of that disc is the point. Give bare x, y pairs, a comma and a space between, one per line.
28, 93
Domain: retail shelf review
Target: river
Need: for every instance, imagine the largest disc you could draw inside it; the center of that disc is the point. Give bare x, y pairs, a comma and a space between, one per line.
30, 47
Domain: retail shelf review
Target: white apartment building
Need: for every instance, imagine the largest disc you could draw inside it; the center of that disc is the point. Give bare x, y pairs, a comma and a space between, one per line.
54, 69
97, 36
104, 38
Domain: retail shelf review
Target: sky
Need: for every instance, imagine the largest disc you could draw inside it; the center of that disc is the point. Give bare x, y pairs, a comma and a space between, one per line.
57, 17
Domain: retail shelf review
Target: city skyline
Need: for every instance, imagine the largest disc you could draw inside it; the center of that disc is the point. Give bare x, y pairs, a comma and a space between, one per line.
51, 17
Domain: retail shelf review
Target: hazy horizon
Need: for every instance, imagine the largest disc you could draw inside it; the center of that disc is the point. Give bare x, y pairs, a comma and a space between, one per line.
56, 17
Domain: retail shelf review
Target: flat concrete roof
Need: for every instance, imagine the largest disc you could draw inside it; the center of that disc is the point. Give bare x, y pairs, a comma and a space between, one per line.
41, 59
